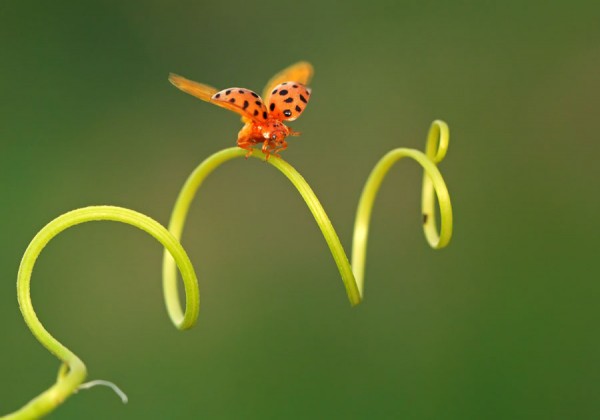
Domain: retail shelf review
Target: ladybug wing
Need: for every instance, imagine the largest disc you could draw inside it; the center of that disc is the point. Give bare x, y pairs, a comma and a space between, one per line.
196, 89
300, 72
241, 101
288, 100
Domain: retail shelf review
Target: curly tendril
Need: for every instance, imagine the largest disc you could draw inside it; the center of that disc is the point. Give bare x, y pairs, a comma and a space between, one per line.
73, 371
437, 145
352, 276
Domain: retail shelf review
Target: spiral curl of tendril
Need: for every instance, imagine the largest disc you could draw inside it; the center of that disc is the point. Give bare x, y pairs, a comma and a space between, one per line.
352, 275
73, 372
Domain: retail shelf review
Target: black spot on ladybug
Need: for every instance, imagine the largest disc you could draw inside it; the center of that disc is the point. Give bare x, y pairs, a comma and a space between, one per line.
298, 108
284, 83
272, 107
289, 100
307, 92
302, 98
227, 92
255, 112
259, 103
265, 115
254, 94
295, 86
287, 113
241, 91
232, 100
218, 95
246, 104
425, 218
283, 92
274, 92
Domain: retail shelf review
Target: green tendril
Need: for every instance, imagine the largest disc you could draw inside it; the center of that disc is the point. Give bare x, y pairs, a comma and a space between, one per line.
437, 145
73, 372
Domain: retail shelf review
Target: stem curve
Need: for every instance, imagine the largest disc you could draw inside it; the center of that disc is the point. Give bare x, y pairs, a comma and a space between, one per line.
437, 145
73, 372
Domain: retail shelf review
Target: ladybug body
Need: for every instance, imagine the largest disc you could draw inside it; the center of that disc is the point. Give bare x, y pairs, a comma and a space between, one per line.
286, 97
271, 133
288, 100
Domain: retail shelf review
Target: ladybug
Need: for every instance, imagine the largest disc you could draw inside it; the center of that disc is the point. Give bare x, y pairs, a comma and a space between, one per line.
285, 98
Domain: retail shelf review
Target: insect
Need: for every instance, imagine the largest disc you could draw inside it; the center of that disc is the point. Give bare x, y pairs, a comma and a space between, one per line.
285, 98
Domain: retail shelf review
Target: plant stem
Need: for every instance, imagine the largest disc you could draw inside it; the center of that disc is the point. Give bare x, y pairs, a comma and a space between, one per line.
73, 371
353, 280
432, 182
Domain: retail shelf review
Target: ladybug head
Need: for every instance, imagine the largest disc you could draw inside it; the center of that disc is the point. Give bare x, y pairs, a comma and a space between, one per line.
275, 131
278, 136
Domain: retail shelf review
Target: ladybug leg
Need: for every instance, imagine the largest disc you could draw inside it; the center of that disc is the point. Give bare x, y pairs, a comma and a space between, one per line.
294, 133
265, 149
284, 146
245, 141
247, 145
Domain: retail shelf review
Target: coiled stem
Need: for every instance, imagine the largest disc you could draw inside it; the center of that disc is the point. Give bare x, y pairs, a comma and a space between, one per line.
352, 276
437, 145
73, 371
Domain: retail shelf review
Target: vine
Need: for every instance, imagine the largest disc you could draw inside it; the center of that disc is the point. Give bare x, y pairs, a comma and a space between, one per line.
73, 372
352, 275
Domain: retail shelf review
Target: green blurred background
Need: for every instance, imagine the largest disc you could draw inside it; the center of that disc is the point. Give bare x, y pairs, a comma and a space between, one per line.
501, 324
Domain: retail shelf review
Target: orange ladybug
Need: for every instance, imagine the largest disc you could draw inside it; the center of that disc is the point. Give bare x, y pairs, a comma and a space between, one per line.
285, 98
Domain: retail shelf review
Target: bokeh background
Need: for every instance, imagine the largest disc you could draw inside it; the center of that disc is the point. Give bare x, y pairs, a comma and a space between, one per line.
501, 324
